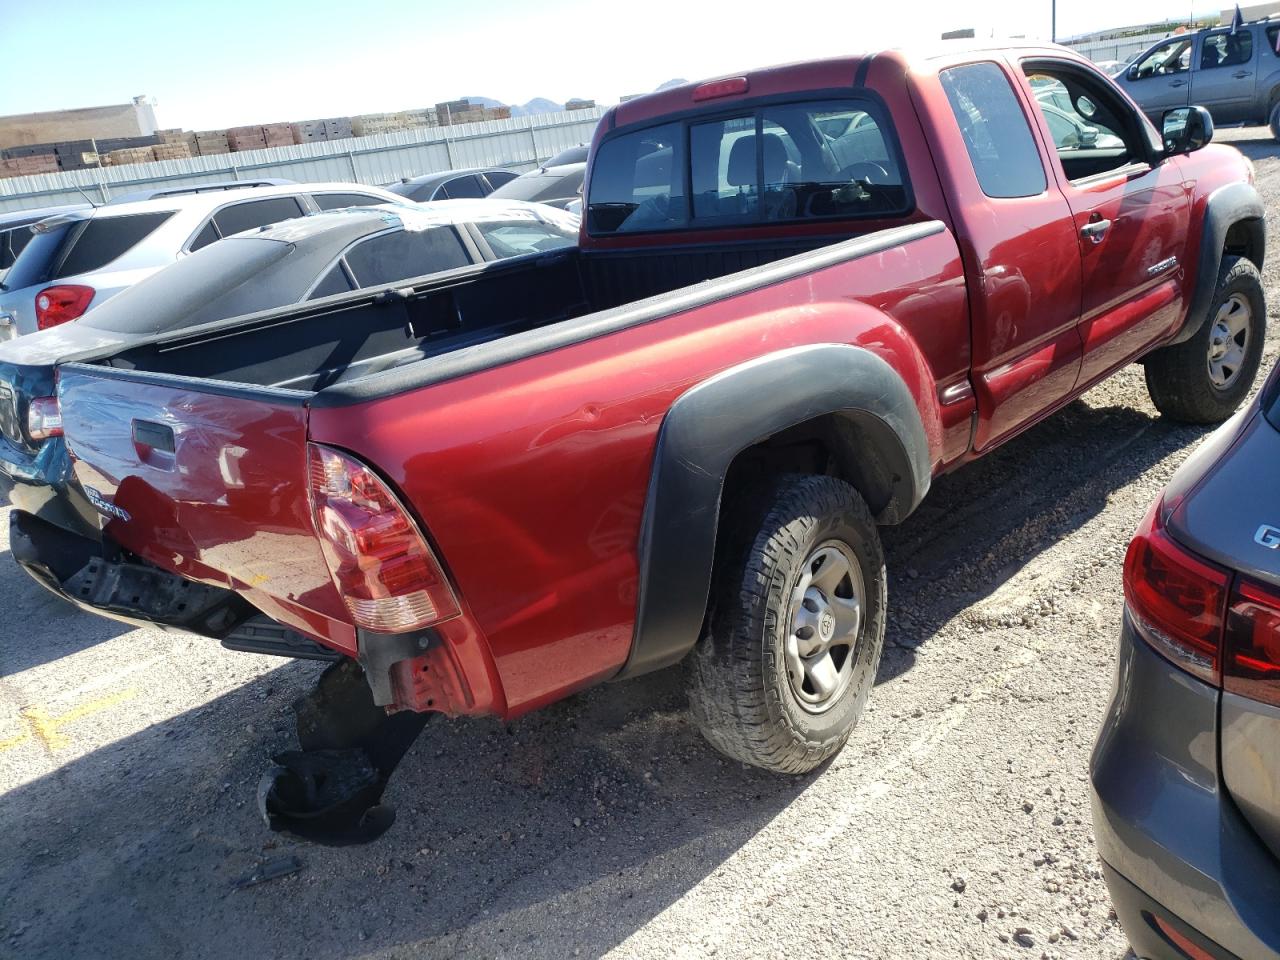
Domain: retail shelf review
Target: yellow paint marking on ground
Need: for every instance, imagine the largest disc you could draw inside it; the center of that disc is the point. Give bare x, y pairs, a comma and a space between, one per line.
47, 729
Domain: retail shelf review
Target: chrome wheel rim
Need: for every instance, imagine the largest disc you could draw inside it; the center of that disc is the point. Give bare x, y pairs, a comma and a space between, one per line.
823, 626
1229, 341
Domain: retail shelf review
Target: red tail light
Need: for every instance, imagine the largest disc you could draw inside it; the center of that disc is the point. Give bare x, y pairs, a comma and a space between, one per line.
1251, 661
55, 305
1177, 601
44, 419
380, 562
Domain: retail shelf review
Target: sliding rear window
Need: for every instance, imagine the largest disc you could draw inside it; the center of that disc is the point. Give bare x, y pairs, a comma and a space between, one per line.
787, 162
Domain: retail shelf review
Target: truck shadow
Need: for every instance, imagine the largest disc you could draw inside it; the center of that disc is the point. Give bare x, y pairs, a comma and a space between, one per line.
37, 627
1255, 143
565, 831
982, 524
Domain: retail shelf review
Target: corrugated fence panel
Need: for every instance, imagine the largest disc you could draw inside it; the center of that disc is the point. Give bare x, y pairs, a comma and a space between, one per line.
518, 143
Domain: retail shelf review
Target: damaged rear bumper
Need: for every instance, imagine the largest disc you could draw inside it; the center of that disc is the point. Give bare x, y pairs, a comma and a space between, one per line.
96, 576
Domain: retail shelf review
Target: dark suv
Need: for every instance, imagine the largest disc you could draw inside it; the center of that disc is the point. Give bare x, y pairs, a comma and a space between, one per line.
1234, 74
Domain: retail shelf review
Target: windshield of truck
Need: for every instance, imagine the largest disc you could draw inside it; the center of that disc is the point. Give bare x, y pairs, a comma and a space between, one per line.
783, 162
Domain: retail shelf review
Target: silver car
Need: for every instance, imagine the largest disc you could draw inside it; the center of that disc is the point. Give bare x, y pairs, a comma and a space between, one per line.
77, 260
1186, 771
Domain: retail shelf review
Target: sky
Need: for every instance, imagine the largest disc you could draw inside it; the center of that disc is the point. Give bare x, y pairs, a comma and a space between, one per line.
208, 65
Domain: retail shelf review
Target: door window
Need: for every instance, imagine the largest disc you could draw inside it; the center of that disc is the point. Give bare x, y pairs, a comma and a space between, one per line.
336, 201
1091, 128
1226, 49
256, 213
1173, 56
462, 188
401, 254
995, 131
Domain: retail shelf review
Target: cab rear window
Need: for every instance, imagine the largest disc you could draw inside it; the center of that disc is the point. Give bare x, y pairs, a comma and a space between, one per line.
829, 159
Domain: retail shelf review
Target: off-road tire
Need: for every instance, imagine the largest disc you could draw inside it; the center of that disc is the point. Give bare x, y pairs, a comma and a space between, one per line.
739, 692
1178, 377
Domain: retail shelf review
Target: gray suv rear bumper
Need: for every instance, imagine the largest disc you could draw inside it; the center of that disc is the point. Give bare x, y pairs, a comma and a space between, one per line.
1175, 845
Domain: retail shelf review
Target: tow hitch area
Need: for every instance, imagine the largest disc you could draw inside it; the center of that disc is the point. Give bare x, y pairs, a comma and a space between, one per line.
330, 791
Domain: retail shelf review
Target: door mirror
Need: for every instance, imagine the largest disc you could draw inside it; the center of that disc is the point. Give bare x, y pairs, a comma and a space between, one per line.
1186, 129
1132, 72
1088, 137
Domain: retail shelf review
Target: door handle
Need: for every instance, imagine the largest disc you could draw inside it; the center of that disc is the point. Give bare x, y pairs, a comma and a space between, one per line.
1095, 230
1241, 74
1177, 83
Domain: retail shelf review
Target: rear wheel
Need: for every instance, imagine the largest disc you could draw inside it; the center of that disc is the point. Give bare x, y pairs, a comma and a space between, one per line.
795, 628
1273, 121
1204, 379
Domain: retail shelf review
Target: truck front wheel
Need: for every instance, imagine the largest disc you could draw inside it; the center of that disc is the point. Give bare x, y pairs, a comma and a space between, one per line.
1204, 379
795, 627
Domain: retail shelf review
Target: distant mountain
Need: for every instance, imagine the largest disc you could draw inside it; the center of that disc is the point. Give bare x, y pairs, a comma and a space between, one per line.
669, 84
536, 105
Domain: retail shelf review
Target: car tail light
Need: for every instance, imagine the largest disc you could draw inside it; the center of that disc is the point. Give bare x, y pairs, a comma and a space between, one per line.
1251, 649
380, 562
44, 419
55, 305
1177, 601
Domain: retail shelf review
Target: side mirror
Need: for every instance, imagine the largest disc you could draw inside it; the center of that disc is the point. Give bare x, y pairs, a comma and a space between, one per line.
1132, 72
1186, 129
1088, 136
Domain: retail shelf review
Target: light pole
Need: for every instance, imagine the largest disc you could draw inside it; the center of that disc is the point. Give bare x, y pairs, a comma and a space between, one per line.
1053, 21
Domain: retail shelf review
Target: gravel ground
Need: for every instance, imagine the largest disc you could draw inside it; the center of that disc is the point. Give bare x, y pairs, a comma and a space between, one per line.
955, 824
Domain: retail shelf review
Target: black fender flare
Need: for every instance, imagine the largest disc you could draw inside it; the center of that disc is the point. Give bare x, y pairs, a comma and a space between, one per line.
709, 425
1224, 208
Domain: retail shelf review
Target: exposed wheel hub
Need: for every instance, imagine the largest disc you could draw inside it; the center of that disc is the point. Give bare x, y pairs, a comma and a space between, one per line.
1228, 341
826, 619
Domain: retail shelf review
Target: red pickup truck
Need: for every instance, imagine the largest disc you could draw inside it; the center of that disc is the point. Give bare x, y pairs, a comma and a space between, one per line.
800, 294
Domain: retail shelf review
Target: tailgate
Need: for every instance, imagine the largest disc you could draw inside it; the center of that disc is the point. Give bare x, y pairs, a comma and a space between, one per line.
208, 480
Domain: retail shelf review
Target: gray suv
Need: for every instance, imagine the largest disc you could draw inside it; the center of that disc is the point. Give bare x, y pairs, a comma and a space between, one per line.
1236, 76
1186, 771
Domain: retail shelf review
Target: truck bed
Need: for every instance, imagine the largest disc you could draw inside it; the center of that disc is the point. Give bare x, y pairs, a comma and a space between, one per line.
312, 347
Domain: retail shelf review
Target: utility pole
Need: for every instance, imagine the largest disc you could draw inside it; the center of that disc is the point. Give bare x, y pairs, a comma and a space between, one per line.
1053, 21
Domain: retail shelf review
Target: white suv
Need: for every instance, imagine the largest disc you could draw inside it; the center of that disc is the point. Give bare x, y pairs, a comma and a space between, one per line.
77, 260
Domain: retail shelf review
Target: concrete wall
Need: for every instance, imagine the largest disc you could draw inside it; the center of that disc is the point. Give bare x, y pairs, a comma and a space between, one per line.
83, 123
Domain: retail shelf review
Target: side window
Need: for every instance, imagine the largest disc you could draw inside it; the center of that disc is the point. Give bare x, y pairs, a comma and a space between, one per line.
1273, 39
207, 235
497, 178
333, 283
1173, 56
995, 131
256, 213
1087, 121
403, 254
336, 201
462, 188
1226, 49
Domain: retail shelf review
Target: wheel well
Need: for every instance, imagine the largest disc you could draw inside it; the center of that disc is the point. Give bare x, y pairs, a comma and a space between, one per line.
1245, 238
859, 448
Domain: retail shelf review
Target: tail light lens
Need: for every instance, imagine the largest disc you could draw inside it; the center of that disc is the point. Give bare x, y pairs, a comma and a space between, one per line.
1251, 654
1177, 601
381, 564
55, 305
44, 419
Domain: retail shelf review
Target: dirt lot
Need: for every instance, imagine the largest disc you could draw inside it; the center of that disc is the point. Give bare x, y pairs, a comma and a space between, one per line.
955, 824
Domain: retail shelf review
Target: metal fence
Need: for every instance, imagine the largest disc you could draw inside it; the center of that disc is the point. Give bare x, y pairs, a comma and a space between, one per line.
1117, 48
519, 143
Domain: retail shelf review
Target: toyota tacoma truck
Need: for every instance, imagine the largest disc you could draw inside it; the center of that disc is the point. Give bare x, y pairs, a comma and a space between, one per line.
799, 294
